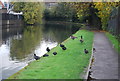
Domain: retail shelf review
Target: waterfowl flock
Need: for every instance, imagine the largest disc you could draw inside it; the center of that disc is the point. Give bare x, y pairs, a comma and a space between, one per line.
64, 48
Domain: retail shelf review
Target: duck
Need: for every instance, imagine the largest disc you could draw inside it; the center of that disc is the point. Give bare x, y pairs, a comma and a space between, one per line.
64, 48
81, 40
73, 37
45, 55
61, 45
54, 53
94, 50
81, 37
36, 57
47, 49
86, 51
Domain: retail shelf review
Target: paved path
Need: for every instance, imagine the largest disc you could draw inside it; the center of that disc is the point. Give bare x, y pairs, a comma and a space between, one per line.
105, 65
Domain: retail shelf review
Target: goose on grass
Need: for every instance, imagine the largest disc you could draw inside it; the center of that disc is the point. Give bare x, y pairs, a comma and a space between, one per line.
48, 49
64, 48
86, 51
61, 45
45, 55
73, 37
36, 57
54, 53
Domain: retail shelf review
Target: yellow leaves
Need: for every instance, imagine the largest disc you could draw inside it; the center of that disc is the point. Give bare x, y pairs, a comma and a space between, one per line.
104, 10
82, 8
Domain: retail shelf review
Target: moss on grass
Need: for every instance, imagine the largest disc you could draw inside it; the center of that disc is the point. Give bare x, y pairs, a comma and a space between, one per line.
68, 64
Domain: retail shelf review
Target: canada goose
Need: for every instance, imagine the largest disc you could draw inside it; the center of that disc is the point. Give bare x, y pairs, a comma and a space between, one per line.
45, 55
61, 45
94, 50
73, 37
36, 57
54, 53
64, 48
81, 37
86, 51
47, 49
81, 40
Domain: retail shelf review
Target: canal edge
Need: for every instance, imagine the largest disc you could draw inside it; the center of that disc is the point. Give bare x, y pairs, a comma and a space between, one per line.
17, 72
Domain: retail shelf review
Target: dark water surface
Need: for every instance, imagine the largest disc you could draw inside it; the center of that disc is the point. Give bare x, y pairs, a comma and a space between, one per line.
19, 43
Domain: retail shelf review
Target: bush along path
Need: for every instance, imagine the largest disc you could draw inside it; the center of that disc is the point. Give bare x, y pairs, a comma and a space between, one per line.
66, 64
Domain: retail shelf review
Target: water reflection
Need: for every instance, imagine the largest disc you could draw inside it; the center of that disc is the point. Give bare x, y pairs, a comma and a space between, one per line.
19, 44
58, 33
22, 46
25, 44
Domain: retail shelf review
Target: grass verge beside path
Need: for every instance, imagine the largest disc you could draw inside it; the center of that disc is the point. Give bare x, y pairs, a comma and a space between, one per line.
68, 64
114, 41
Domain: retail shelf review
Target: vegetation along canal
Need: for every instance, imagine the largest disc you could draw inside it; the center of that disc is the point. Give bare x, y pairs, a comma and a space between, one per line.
18, 44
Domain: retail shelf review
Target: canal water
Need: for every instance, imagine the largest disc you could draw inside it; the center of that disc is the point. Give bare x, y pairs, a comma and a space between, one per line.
18, 44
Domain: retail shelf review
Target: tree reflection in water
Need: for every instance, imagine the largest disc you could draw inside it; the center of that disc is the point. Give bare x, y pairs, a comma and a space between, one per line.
32, 36
20, 48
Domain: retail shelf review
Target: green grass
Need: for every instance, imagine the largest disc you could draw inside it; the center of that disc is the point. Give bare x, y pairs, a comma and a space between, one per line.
114, 41
68, 64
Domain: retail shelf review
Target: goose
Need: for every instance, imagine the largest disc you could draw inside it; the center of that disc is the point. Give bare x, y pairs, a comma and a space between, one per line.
61, 45
36, 57
54, 53
45, 55
81, 37
47, 49
86, 51
73, 37
64, 48
81, 40
94, 50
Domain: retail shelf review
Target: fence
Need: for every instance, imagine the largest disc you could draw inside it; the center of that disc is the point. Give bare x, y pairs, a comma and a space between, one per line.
114, 22
10, 19
6, 16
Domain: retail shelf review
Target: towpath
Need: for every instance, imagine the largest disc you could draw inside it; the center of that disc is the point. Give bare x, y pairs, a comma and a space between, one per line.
105, 65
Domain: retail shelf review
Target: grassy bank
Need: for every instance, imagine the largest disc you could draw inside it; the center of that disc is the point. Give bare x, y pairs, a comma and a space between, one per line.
114, 41
68, 64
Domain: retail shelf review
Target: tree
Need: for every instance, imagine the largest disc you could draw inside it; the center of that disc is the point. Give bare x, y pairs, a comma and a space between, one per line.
27, 43
32, 11
104, 10
93, 12
86, 13
18, 6
82, 9
62, 11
